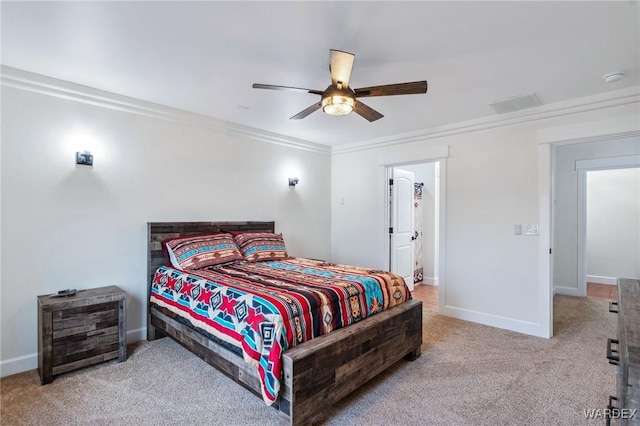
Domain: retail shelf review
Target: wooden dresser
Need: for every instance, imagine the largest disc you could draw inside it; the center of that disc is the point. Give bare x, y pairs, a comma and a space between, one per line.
625, 353
80, 330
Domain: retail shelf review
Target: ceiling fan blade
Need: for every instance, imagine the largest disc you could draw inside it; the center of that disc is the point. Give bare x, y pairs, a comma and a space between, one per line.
341, 65
307, 111
367, 112
291, 89
413, 88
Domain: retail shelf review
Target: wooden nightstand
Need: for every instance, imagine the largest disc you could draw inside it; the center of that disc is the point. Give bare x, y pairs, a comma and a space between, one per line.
80, 330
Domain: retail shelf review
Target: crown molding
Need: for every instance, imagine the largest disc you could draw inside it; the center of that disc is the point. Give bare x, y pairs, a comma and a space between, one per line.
36, 83
605, 100
595, 138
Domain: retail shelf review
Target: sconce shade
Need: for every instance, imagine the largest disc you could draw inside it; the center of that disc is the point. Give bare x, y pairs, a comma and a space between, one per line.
84, 158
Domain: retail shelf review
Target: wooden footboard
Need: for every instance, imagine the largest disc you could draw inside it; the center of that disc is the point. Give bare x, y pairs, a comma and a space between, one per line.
317, 373
320, 372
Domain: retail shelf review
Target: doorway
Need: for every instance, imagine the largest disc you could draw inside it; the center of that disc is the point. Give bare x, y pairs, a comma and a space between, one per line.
568, 165
414, 225
613, 225
608, 227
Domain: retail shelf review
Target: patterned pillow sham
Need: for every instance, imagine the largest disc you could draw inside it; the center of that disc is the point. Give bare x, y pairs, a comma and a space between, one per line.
249, 231
261, 246
196, 252
168, 259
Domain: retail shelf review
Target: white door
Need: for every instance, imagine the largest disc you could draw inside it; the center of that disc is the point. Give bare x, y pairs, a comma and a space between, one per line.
402, 225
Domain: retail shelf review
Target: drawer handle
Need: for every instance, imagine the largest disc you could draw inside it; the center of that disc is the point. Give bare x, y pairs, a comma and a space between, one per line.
612, 354
611, 307
611, 407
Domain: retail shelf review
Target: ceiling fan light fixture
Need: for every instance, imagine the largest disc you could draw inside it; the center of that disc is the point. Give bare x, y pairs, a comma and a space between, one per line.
338, 104
340, 99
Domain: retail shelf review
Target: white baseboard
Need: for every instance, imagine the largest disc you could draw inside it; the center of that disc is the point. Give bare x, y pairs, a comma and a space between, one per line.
567, 291
430, 280
18, 364
602, 280
525, 327
137, 335
30, 362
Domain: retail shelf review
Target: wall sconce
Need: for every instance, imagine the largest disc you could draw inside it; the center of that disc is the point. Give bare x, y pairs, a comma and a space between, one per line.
293, 181
84, 158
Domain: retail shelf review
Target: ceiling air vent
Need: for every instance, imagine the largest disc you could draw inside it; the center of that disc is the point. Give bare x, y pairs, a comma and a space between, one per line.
516, 103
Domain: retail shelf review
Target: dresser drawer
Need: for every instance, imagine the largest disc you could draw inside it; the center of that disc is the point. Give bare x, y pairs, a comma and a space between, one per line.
628, 353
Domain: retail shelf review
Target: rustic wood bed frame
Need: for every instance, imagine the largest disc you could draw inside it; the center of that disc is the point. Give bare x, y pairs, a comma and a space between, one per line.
317, 373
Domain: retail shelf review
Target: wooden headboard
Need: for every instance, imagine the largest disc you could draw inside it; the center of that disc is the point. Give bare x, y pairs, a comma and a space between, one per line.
158, 231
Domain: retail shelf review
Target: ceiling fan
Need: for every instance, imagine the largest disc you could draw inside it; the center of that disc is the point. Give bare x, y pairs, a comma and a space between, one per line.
340, 99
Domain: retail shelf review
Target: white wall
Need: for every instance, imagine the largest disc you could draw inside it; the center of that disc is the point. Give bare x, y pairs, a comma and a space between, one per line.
565, 205
67, 226
613, 223
491, 176
72, 227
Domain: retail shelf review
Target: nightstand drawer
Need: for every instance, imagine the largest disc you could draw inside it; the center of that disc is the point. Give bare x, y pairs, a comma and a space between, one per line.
86, 345
84, 319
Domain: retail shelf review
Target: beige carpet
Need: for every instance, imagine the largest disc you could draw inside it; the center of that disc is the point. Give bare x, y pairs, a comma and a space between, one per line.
468, 374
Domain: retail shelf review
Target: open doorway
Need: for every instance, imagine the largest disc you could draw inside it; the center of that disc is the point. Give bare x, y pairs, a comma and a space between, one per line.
608, 227
414, 208
612, 244
570, 164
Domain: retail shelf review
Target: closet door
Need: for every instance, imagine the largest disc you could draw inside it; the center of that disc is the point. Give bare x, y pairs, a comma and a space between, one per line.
402, 223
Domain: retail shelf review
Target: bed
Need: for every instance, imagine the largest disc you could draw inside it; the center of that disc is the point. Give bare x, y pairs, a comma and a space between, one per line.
312, 375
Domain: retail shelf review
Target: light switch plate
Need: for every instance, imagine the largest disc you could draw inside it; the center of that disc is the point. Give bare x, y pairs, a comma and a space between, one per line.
532, 229
517, 229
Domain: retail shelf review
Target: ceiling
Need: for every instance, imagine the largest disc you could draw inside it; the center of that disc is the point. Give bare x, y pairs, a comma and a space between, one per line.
204, 56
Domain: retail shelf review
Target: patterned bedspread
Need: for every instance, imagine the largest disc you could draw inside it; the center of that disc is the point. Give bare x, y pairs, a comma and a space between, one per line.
264, 308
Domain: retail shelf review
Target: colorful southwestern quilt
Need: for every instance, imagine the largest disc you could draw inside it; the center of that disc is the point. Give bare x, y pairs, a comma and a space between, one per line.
264, 308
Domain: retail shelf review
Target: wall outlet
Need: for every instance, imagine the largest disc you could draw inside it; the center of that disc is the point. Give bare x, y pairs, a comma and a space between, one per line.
533, 229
